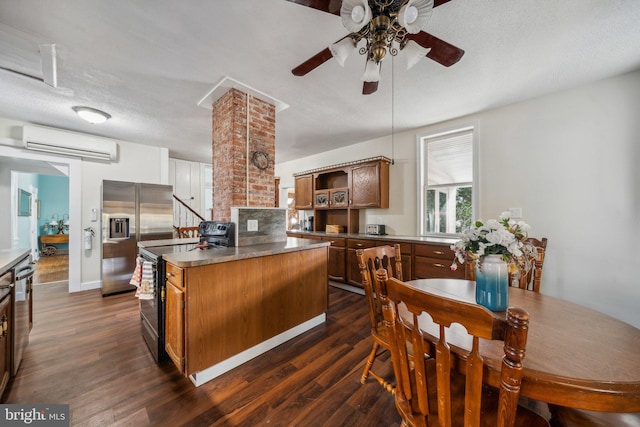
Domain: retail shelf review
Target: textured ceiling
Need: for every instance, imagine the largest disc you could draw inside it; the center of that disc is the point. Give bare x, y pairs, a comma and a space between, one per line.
148, 63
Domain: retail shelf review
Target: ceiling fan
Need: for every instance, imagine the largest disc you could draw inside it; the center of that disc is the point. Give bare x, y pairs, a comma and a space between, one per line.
387, 26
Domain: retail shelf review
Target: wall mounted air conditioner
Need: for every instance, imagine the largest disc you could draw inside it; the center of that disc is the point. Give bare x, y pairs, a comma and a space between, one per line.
68, 143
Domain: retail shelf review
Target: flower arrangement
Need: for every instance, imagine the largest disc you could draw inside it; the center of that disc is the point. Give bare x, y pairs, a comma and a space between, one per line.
504, 237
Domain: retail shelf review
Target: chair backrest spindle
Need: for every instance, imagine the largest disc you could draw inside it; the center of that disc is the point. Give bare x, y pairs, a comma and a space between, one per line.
404, 307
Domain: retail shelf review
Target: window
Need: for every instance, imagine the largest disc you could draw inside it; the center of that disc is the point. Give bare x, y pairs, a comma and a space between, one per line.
446, 188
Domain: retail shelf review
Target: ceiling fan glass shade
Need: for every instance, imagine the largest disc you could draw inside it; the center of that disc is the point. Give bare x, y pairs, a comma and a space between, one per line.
415, 14
414, 53
371, 72
355, 14
342, 49
91, 115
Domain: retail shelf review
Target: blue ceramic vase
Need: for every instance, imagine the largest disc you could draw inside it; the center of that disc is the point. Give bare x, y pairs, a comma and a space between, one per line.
492, 283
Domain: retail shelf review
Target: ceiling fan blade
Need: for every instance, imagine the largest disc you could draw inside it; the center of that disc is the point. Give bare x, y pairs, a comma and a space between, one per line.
330, 6
441, 51
369, 87
312, 63
315, 61
437, 3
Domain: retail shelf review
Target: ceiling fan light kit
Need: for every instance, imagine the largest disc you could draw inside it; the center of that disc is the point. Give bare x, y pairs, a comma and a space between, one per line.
414, 53
415, 15
386, 26
371, 72
342, 49
355, 14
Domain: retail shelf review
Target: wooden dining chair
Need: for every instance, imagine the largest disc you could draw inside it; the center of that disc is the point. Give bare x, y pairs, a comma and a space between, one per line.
370, 260
529, 274
187, 232
436, 392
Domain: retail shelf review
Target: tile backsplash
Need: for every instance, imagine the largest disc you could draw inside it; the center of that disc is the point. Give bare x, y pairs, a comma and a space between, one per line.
271, 225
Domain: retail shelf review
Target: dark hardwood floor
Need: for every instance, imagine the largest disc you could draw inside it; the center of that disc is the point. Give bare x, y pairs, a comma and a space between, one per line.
87, 351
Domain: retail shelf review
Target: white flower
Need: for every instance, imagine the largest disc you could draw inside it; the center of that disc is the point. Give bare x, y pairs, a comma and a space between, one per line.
492, 224
504, 237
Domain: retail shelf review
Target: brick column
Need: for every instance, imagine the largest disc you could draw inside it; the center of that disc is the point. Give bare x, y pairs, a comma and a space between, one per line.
230, 167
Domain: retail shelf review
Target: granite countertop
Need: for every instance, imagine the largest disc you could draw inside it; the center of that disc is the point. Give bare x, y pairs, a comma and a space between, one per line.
413, 239
9, 258
167, 242
200, 257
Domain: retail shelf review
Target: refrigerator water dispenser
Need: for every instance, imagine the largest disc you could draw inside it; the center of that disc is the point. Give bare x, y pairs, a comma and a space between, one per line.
118, 228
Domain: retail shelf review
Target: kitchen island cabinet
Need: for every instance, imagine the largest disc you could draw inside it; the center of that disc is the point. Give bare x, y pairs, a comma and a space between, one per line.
226, 306
174, 317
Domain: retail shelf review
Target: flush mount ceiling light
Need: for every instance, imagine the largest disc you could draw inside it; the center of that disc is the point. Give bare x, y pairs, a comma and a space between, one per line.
91, 115
384, 27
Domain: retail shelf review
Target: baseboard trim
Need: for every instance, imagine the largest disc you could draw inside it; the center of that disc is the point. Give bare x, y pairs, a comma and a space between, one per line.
201, 377
346, 287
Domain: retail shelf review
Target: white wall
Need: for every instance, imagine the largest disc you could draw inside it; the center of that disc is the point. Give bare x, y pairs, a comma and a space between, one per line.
136, 162
569, 160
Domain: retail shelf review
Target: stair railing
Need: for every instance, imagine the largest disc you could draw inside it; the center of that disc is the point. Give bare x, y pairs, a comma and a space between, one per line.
184, 215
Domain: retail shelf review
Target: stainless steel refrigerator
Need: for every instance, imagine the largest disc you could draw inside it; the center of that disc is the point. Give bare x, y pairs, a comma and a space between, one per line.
131, 212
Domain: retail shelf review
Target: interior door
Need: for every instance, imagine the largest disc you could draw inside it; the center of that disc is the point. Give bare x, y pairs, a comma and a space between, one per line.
183, 183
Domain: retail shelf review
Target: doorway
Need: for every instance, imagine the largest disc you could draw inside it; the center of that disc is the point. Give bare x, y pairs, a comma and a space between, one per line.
16, 159
46, 221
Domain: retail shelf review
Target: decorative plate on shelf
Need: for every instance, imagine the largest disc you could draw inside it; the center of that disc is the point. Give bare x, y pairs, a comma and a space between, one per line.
260, 160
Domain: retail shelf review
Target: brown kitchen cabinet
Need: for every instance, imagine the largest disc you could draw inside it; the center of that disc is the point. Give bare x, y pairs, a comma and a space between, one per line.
353, 271
352, 262
304, 192
342, 190
5, 335
321, 199
433, 260
419, 260
217, 310
337, 258
174, 318
339, 198
370, 185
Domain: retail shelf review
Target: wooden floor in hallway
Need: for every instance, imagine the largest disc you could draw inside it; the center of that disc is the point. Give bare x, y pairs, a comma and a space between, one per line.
86, 350
53, 268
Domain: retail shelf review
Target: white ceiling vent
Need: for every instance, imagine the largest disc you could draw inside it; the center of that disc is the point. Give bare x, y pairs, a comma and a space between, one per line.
69, 143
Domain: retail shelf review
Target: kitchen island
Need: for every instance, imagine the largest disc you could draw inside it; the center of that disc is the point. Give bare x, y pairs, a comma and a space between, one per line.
225, 306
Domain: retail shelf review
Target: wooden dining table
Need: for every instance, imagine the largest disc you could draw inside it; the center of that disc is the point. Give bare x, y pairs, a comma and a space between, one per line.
575, 356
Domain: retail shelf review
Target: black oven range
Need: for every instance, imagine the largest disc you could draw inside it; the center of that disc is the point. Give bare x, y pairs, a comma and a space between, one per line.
214, 234
152, 311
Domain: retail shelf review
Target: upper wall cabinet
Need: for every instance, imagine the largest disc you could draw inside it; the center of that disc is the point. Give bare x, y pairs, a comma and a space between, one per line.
335, 193
304, 192
370, 185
